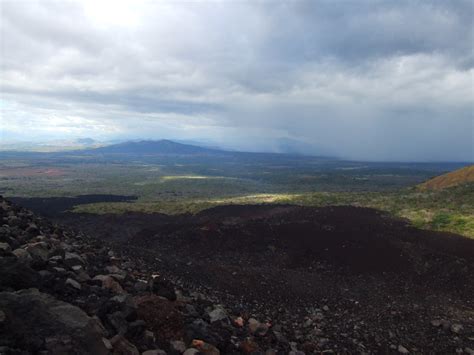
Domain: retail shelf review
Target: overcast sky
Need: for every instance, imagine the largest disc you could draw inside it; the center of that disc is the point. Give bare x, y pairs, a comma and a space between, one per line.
378, 80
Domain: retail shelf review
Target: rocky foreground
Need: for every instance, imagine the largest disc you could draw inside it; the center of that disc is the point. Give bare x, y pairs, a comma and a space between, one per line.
64, 293
68, 293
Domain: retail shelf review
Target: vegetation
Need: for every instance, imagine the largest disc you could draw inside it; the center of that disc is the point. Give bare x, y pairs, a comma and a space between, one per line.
447, 210
454, 178
182, 184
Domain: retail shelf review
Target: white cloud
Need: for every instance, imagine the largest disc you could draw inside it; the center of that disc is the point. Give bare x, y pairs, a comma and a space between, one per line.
394, 76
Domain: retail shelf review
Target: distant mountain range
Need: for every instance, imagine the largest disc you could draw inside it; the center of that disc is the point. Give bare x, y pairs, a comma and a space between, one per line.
145, 148
163, 146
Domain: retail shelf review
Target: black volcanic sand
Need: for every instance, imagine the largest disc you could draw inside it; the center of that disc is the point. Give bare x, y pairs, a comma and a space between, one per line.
54, 206
383, 282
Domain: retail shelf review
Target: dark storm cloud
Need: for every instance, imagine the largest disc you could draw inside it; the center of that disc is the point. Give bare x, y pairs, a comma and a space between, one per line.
360, 79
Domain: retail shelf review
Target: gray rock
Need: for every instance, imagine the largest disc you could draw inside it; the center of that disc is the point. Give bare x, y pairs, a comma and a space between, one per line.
83, 276
125, 304
100, 278
32, 230
154, 352
162, 287
218, 314
191, 351
178, 346
119, 277
56, 258
456, 328
402, 350
73, 259
140, 286
112, 269
21, 254
257, 328
60, 270
253, 324
445, 324
108, 282
77, 268
149, 338
123, 346
41, 316
38, 250
191, 311
118, 322
5, 248
73, 283
17, 274
107, 343
45, 274
136, 328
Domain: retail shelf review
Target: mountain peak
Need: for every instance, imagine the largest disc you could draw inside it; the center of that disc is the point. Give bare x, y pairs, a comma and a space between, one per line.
162, 146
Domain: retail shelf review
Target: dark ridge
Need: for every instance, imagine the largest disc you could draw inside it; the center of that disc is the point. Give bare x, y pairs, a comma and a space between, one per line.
152, 147
53, 206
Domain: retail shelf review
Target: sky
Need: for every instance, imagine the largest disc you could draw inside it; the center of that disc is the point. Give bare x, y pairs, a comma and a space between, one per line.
364, 80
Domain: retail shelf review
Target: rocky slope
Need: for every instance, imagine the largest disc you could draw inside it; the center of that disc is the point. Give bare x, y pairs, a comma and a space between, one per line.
64, 293
233, 279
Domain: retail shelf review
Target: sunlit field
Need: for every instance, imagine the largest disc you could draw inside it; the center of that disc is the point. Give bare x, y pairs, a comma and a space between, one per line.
189, 187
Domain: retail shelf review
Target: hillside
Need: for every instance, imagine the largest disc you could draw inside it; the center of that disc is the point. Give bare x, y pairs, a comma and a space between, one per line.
454, 178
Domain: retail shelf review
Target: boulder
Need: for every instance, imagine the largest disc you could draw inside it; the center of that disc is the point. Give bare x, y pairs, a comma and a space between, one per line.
5, 248
122, 346
38, 250
73, 259
73, 283
16, 274
21, 254
149, 338
402, 350
218, 314
113, 269
163, 287
82, 276
140, 286
177, 346
36, 321
191, 351
136, 329
117, 322
123, 303
456, 328
257, 328
109, 283
154, 352
205, 348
